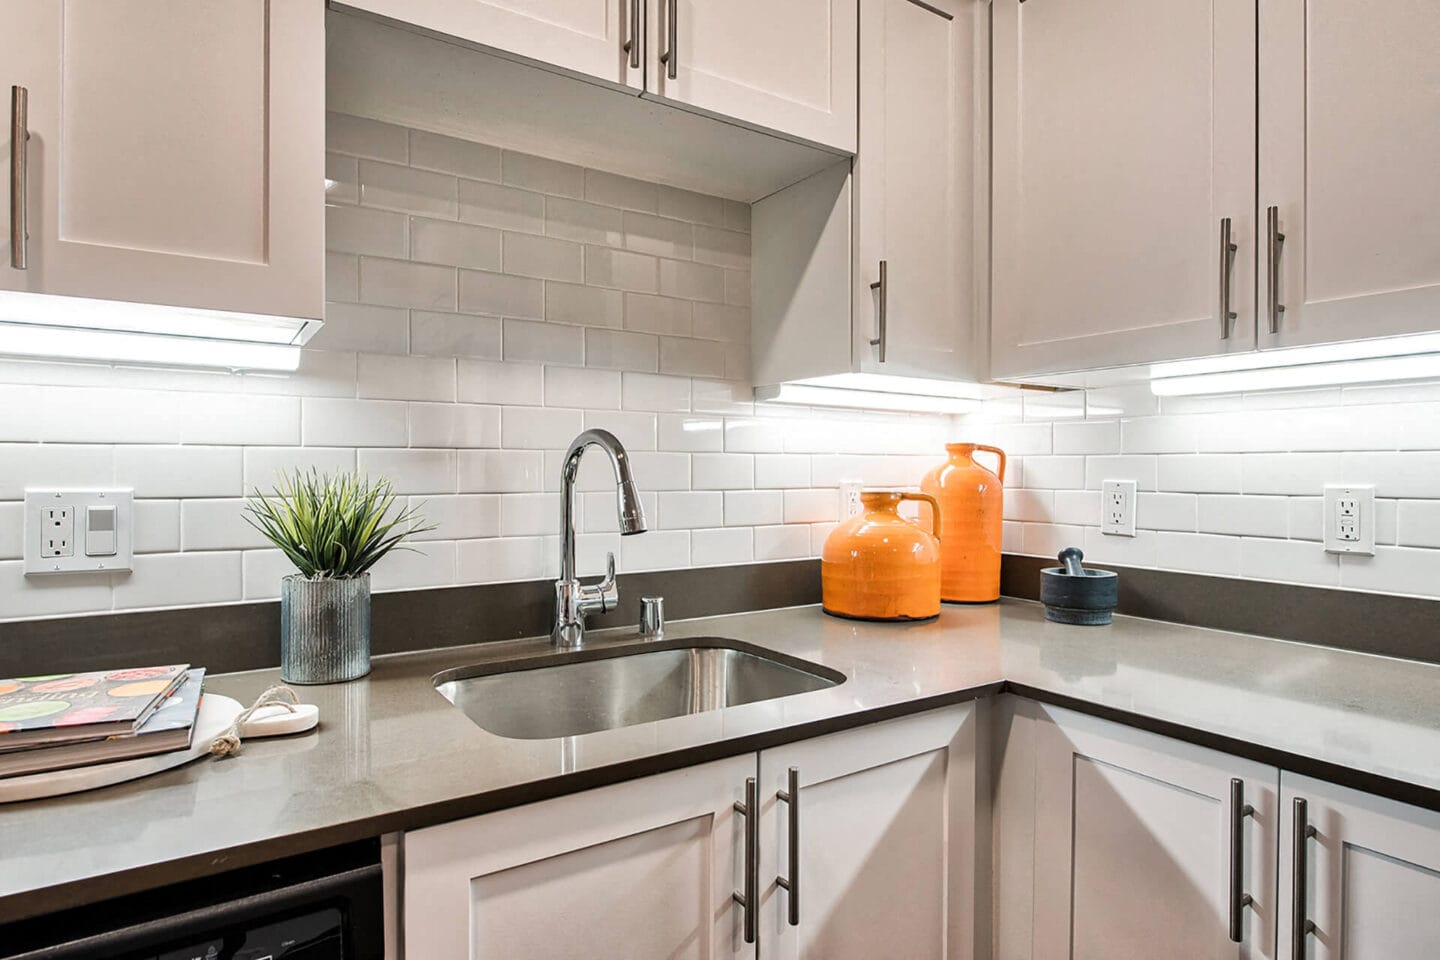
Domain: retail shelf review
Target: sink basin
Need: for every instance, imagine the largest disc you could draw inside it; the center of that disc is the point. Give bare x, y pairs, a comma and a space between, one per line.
575, 693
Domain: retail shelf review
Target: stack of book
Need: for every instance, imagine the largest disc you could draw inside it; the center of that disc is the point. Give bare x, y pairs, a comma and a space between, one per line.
78, 719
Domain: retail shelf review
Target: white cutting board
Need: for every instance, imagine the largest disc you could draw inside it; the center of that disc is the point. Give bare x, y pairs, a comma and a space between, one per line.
216, 713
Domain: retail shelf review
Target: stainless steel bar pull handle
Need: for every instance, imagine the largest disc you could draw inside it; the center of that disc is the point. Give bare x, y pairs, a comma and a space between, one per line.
670, 57
750, 810
1239, 899
632, 46
882, 285
1275, 240
1301, 832
19, 176
790, 796
1227, 263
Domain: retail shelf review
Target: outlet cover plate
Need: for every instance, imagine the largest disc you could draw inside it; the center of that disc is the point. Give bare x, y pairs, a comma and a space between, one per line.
38, 503
1117, 508
1350, 519
849, 498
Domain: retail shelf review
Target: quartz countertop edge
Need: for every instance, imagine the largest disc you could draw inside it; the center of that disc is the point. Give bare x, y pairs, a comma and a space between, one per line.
392, 754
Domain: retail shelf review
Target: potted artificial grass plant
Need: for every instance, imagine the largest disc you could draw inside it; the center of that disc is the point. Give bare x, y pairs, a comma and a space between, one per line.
333, 528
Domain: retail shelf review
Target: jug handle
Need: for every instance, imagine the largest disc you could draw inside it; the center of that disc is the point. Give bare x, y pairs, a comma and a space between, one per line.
934, 509
999, 453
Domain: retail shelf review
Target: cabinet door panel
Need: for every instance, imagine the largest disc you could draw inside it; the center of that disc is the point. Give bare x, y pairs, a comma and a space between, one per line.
886, 817
1124, 132
921, 112
1132, 841
1349, 149
637, 871
586, 37
177, 153
1373, 877
788, 67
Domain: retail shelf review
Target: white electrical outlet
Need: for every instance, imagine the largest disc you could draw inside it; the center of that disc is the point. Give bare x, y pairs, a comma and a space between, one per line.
1350, 520
77, 531
849, 498
1117, 508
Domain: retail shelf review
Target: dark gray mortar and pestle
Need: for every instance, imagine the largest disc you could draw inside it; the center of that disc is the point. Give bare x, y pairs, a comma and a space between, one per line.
1074, 594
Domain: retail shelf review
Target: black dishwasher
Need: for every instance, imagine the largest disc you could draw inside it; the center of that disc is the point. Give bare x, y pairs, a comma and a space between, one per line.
326, 905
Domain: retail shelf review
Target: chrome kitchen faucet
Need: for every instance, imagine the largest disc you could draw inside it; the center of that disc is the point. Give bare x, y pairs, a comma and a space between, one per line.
575, 600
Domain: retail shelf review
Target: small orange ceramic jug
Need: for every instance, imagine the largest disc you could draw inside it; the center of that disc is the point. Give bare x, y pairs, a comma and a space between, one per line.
880, 566
971, 501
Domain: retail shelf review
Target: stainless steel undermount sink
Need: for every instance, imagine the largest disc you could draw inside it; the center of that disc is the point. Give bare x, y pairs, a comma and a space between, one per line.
591, 690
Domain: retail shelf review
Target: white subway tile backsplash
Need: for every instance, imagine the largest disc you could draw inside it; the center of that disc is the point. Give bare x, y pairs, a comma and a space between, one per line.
342, 179
1393, 570
685, 510
498, 295
788, 542
217, 525
22, 597
264, 465
12, 531
1288, 561
699, 434
394, 187
518, 384
1419, 523
423, 565
406, 378
534, 428
621, 269
655, 550
455, 335
1141, 469
59, 465
748, 508
363, 327
782, 470
722, 471
711, 548
1032, 506
506, 208
366, 138
737, 287
526, 255
811, 506
1164, 511
1055, 473
692, 281
1243, 516
659, 236
411, 471
648, 391
1136, 551
1081, 508
684, 357
156, 526
500, 471
530, 341
530, 515
648, 313
617, 191
1400, 475
1199, 473
1048, 539
158, 472
584, 306
458, 517
453, 244
342, 276
543, 175
584, 222
331, 422
622, 350
378, 233
724, 248
1198, 553
503, 560
1082, 437
637, 431
431, 151
694, 207
399, 283
582, 387
179, 579
662, 471
1306, 518
1294, 474
737, 216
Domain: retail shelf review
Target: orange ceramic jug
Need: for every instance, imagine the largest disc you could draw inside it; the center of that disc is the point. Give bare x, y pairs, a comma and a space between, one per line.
971, 501
880, 566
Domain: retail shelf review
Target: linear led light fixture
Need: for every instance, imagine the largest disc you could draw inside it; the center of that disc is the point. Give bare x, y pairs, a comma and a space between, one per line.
809, 395
76, 328
1334, 364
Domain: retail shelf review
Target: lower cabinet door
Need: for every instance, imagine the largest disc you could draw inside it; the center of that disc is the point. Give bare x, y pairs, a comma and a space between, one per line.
1359, 876
875, 844
643, 870
1144, 847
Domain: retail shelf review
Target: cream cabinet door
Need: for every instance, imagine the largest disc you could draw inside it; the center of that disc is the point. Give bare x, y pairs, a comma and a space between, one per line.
1133, 845
1124, 134
1368, 876
919, 185
1350, 161
176, 151
599, 39
886, 835
788, 67
643, 870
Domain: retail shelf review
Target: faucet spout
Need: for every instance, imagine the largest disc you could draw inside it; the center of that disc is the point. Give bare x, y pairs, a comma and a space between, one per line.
575, 600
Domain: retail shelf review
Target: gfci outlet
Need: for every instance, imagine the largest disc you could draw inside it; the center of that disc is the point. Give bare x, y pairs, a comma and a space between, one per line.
849, 498
77, 531
1117, 508
1350, 520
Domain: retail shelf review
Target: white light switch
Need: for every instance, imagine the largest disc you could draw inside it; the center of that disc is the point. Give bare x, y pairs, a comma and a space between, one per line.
100, 531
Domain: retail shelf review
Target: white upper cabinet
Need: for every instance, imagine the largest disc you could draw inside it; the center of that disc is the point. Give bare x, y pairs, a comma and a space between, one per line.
915, 200
1124, 136
1350, 159
176, 151
1143, 847
644, 870
788, 67
595, 38
884, 821
922, 69
1367, 877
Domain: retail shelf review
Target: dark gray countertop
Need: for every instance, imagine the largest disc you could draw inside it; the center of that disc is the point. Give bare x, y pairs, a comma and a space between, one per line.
392, 754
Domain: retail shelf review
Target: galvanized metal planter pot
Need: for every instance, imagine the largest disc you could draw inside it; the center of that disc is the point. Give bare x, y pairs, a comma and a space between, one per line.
324, 629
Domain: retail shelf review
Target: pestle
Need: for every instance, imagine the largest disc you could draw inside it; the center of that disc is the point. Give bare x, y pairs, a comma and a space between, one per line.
1070, 558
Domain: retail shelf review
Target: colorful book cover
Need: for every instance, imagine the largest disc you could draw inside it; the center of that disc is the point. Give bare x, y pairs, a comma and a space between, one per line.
81, 706
170, 727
